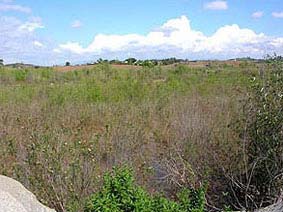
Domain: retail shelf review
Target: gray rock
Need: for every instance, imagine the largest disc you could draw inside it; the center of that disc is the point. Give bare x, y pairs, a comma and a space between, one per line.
14, 197
277, 207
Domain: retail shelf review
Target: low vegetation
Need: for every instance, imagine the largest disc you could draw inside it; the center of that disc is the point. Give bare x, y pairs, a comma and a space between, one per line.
260, 182
119, 193
193, 137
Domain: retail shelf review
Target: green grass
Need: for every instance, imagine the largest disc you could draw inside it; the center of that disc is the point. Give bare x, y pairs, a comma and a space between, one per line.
105, 84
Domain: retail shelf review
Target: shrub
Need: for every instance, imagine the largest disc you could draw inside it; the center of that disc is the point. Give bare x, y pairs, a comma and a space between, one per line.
119, 193
21, 75
261, 178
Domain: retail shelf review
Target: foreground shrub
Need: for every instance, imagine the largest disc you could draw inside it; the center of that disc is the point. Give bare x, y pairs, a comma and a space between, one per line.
119, 194
261, 178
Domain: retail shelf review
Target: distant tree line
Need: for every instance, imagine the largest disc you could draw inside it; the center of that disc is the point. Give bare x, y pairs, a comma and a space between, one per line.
169, 61
134, 61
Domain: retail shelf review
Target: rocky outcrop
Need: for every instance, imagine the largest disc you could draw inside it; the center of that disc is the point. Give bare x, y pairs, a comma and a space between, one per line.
278, 207
14, 197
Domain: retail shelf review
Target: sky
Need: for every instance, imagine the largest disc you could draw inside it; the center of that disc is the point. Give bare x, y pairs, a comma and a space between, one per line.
53, 32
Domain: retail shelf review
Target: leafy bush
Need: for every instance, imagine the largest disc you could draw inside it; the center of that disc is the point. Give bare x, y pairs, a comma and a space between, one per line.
21, 75
119, 193
266, 135
261, 179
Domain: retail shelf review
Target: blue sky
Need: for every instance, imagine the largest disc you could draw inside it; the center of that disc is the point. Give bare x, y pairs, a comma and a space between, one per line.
51, 32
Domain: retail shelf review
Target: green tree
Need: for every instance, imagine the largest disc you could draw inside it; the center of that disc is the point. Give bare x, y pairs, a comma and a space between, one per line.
130, 61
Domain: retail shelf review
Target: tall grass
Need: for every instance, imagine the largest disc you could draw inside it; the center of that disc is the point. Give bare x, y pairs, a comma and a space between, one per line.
60, 131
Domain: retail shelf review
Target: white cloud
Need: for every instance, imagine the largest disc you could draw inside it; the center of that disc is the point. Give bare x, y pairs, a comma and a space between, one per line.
7, 6
30, 26
257, 14
277, 14
6, 1
176, 37
19, 41
73, 47
76, 24
38, 44
277, 42
216, 5
56, 50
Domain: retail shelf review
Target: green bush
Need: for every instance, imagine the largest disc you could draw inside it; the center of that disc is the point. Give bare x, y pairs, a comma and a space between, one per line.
120, 194
265, 131
21, 75
261, 179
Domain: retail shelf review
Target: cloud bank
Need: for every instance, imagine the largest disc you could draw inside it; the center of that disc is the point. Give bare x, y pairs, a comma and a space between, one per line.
19, 41
177, 38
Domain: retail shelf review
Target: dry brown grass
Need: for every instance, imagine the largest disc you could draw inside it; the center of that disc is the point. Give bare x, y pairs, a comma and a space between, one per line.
44, 143
88, 67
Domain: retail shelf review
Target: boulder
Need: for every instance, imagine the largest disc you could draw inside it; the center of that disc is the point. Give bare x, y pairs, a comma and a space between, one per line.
14, 197
277, 207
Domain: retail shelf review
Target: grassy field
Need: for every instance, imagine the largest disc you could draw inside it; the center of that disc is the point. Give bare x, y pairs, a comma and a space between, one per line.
61, 130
